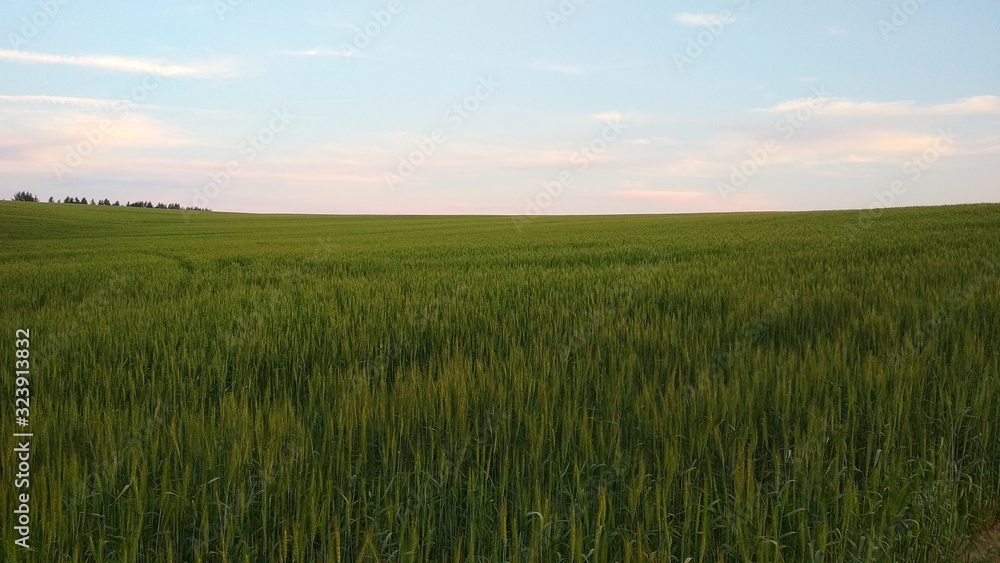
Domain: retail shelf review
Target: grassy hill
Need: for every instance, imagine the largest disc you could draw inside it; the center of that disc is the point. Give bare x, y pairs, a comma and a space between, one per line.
766, 387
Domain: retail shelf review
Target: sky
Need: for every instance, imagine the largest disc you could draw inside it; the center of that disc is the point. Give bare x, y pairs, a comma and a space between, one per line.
502, 107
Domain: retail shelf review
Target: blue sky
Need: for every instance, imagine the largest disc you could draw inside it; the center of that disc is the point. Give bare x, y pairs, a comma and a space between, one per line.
513, 107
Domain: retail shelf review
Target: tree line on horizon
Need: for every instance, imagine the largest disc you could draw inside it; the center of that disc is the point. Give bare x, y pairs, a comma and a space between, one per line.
28, 196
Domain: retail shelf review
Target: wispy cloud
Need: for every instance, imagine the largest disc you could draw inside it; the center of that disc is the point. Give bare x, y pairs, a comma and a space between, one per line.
328, 53
609, 116
120, 64
975, 105
970, 106
94, 103
557, 68
662, 195
569, 69
682, 199
332, 22
699, 20
827, 145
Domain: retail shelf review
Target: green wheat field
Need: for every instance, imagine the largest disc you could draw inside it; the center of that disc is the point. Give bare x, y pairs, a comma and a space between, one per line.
797, 387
